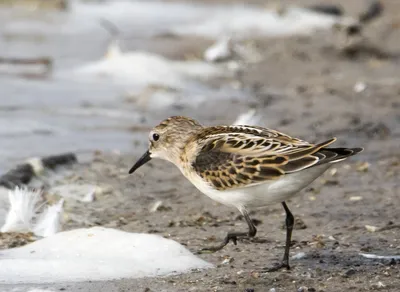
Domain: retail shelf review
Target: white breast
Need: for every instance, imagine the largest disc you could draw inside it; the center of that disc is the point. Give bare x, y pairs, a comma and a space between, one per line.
261, 195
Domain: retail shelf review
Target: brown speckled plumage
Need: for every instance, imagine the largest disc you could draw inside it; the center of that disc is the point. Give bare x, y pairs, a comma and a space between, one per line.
230, 157
241, 156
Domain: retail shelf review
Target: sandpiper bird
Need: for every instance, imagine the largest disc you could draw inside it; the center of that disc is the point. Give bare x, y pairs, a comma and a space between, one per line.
242, 166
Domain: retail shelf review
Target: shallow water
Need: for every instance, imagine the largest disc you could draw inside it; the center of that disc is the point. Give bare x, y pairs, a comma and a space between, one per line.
68, 112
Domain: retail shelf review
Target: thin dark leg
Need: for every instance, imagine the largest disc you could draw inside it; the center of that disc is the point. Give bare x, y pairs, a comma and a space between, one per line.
232, 236
289, 228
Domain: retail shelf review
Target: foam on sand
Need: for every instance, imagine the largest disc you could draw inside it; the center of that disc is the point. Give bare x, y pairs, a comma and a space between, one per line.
96, 254
143, 68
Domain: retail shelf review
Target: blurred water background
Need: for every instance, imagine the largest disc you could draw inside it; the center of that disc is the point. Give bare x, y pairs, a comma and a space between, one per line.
91, 96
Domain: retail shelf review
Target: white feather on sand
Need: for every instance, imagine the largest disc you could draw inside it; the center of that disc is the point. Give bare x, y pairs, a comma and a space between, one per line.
22, 215
23, 206
49, 222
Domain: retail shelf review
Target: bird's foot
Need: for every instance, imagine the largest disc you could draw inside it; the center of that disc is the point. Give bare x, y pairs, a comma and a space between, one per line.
212, 249
276, 267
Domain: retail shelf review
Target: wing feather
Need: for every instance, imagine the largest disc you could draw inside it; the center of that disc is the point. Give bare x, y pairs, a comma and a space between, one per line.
242, 156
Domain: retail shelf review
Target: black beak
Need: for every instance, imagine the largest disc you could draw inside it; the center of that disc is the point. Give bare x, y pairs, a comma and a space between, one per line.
142, 160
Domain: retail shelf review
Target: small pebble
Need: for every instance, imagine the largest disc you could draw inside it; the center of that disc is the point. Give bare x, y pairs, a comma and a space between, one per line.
371, 228
299, 256
255, 275
378, 286
363, 167
155, 206
299, 224
306, 289
355, 198
349, 273
90, 196
359, 87
227, 261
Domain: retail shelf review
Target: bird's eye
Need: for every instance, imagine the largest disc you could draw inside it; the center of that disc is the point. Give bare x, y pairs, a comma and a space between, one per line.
156, 136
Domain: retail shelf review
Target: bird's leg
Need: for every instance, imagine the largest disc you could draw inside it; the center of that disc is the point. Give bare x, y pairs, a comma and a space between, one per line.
232, 236
289, 229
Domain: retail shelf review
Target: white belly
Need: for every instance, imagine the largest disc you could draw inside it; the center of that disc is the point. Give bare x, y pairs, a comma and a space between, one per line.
263, 194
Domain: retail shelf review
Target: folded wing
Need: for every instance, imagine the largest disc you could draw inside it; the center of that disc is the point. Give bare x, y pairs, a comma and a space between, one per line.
242, 156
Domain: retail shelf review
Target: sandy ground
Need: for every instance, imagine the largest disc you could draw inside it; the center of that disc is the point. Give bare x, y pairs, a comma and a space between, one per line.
303, 87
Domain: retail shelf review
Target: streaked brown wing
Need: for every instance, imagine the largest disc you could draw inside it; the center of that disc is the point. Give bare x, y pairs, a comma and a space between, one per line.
229, 159
226, 170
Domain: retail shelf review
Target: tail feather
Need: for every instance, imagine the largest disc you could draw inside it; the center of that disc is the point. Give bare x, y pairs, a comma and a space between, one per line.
333, 155
317, 155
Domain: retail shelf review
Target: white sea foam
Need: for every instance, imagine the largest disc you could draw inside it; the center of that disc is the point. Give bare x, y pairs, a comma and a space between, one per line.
144, 18
142, 68
96, 254
206, 20
242, 22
